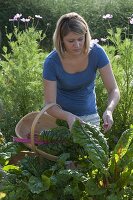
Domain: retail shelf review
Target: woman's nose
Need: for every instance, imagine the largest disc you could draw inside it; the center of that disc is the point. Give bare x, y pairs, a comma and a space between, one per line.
76, 44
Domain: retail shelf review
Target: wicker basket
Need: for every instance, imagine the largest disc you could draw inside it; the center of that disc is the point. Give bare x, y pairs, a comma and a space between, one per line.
33, 123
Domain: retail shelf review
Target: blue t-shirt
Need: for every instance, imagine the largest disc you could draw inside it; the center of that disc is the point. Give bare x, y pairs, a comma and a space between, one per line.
76, 92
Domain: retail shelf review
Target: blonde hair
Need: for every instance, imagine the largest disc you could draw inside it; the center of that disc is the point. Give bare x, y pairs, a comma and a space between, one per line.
70, 22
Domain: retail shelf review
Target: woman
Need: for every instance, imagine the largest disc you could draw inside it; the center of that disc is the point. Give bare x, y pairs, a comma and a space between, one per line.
70, 71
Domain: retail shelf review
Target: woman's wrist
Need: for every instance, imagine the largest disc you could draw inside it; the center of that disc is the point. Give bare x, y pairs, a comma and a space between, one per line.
109, 109
69, 116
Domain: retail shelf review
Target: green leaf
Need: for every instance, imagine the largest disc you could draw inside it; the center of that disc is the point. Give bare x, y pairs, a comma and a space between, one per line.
90, 144
46, 182
12, 168
5, 49
92, 188
125, 178
50, 195
127, 159
99, 136
123, 143
2, 195
35, 185
120, 150
4, 157
112, 197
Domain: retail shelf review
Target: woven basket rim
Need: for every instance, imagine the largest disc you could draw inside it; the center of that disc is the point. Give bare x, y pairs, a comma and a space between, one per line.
38, 115
21, 120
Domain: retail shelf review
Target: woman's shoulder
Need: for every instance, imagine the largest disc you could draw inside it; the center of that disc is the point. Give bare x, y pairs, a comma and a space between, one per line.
98, 54
96, 49
52, 61
52, 55
94, 46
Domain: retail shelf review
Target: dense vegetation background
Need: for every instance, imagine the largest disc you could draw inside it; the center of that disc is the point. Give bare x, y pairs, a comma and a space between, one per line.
51, 10
21, 88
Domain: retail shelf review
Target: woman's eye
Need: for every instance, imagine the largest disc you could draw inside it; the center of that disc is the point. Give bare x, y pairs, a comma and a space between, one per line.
80, 39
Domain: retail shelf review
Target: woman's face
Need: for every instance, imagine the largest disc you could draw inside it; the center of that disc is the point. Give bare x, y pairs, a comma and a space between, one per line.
74, 43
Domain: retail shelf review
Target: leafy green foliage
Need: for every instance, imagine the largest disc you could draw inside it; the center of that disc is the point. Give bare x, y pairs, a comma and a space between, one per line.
7, 150
51, 10
120, 169
21, 77
58, 140
60, 122
40, 178
91, 145
98, 135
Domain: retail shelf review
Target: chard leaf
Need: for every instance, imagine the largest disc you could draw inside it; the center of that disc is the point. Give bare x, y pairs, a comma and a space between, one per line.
123, 143
92, 188
120, 150
93, 150
35, 185
97, 134
125, 178
127, 159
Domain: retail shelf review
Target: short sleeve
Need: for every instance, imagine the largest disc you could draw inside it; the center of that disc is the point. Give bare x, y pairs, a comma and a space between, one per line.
102, 58
49, 71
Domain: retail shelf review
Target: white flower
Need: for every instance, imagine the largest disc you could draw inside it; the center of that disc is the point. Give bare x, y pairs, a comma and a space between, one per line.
27, 20
12, 20
107, 16
38, 16
117, 57
23, 20
95, 41
17, 16
131, 21
103, 39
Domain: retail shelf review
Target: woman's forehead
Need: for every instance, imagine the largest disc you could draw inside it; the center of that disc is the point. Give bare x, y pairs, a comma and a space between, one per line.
73, 35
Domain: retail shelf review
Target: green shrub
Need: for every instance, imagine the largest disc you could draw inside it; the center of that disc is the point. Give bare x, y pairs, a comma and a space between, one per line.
51, 10
21, 77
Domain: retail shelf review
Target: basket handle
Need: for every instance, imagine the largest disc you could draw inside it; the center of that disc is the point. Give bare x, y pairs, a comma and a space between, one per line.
34, 148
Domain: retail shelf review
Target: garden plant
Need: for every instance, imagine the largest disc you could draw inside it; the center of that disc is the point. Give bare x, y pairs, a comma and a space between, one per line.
20, 74
97, 172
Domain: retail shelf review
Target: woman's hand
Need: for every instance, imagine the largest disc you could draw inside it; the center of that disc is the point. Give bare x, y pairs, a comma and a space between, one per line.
110, 84
71, 118
107, 120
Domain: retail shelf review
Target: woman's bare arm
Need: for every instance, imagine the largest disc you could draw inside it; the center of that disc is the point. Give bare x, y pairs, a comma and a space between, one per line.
113, 94
50, 90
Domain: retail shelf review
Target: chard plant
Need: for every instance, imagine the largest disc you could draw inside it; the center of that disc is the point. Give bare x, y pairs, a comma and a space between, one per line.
21, 72
97, 173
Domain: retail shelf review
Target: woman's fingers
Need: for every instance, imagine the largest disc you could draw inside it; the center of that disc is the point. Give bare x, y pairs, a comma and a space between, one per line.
107, 120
